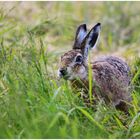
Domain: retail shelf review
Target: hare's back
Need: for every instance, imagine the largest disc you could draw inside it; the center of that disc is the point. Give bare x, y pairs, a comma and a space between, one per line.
112, 75
119, 64
111, 66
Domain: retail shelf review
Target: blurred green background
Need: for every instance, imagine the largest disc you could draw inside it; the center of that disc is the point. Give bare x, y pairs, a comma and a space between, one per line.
56, 23
33, 36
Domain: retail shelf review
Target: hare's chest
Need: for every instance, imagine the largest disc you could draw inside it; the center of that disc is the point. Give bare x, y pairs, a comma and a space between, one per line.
79, 85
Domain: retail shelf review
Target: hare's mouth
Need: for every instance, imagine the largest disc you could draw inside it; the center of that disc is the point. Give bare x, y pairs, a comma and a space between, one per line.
66, 77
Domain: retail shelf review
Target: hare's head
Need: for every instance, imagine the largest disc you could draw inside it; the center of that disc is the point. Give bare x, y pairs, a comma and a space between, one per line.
74, 62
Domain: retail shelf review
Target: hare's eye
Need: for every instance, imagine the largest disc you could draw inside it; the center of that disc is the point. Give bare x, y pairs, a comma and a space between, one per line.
79, 59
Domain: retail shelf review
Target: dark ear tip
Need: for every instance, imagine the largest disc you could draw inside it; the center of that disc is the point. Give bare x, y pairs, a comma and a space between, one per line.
98, 25
83, 26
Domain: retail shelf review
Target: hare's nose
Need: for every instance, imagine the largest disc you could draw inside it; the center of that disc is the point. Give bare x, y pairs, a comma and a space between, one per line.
63, 71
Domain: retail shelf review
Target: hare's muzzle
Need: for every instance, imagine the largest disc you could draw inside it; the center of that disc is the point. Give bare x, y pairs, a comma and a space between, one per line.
63, 72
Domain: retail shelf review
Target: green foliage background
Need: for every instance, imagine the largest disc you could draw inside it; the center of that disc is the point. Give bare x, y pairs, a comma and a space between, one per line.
33, 102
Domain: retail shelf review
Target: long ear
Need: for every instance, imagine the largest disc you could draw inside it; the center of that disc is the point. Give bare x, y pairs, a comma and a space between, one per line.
80, 35
91, 39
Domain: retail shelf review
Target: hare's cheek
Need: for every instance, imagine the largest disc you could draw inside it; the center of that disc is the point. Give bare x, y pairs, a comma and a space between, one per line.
82, 72
82, 69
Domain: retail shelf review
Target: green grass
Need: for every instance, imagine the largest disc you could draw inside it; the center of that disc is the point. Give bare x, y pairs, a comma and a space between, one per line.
33, 102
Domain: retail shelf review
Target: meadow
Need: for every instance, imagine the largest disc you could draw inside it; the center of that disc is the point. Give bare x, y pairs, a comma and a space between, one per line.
34, 103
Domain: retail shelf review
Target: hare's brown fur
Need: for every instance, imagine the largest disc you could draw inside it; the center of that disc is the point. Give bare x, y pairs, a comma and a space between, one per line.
111, 75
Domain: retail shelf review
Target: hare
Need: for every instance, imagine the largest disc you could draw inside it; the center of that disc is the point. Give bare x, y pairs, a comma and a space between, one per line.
110, 75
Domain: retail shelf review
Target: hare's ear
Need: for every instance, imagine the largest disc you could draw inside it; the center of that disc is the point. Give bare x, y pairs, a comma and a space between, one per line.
80, 35
91, 39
